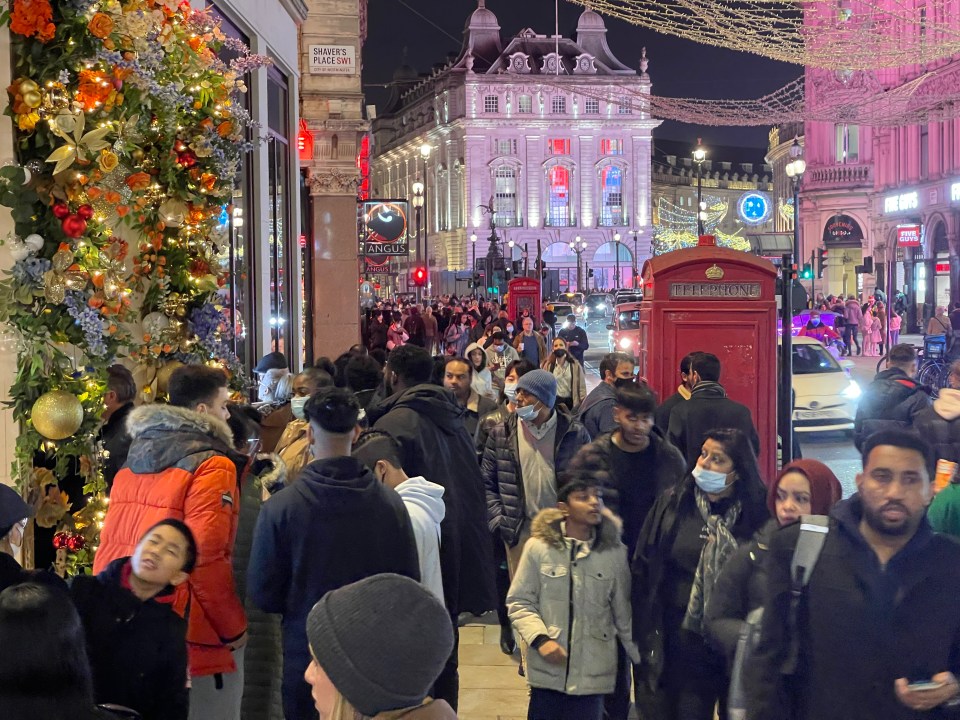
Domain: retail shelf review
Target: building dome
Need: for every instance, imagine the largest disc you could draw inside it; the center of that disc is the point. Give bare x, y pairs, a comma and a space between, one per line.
482, 19
590, 20
405, 74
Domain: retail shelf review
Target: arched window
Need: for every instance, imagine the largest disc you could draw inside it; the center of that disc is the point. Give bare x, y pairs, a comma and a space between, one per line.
558, 196
611, 200
505, 196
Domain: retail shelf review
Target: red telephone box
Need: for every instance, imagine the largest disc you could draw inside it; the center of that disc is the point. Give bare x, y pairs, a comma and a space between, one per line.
723, 302
524, 294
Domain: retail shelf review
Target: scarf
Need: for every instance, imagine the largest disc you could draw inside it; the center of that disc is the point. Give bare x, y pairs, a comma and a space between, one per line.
705, 386
716, 551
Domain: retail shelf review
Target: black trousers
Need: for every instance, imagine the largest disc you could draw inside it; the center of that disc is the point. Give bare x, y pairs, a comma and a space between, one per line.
616, 705
502, 575
447, 685
553, 705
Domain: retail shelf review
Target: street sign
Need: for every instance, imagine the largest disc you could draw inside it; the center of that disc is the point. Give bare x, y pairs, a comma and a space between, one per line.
333, 60
908, 236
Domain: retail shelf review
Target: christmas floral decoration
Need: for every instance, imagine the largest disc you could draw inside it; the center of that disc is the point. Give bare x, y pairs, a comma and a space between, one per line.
129, 138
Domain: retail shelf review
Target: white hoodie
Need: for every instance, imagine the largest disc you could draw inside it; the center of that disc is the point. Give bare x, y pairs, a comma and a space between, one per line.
424, 502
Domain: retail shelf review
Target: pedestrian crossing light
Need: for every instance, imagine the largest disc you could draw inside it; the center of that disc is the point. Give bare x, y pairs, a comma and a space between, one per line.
807, 273
420, 276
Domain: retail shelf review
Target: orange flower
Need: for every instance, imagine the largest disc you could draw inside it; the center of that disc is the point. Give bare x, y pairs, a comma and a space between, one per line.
208, 181
112, 197
224, 128
93, 89
138, 181
33, 17
100, 25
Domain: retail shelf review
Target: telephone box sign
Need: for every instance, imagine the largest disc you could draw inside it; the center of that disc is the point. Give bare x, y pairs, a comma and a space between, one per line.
718, 291
333, 60
908, 236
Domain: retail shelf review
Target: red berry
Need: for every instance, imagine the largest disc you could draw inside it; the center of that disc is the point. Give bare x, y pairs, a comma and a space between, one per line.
73, 226
60, 540
60, 210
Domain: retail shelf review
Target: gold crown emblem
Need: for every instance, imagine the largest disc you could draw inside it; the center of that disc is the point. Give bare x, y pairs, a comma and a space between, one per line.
715, 272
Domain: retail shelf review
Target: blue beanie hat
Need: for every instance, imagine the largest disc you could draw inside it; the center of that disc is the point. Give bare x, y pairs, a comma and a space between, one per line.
541, 384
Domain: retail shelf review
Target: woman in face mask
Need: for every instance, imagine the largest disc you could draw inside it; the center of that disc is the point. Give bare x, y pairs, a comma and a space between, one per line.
293, 446
482, 381
14, 514
571, 383
690, 533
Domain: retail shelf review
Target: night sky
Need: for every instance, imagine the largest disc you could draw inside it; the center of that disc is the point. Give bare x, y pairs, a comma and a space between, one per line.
429, 29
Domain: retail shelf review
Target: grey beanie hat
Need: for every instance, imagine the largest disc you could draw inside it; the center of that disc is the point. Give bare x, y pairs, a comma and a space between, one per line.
382, 641
541, 384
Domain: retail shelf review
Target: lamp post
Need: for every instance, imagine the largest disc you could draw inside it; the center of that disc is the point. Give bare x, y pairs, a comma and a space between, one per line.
578, 245
635, 234
699, 155
795, 169
616, 249
418, 200
473, 243
425, 154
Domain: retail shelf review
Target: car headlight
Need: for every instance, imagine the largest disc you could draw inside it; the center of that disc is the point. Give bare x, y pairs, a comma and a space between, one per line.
625, 342
599, 307
851, 391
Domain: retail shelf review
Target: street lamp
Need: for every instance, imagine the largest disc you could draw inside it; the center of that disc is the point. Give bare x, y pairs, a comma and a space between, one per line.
616, 249
699, 155
422, 257
795, 169
418, 200
578, 245
635, 234
473, 268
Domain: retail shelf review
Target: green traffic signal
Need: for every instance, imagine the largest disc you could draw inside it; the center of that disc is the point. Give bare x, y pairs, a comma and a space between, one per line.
807, 273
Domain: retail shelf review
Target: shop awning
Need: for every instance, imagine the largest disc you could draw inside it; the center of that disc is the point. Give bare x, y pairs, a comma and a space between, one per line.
768, 244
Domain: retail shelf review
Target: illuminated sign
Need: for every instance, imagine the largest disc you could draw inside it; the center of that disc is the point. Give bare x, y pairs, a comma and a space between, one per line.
333, 60
384, 230
943, 268
908, 236
955, 192
901, 203
715, 291
304, 142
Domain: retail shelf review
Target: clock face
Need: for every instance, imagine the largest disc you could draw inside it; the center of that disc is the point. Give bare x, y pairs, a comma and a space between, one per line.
754, 208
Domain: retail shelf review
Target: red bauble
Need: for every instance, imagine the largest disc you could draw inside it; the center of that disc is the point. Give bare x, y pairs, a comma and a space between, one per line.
60, 210
76, 543
187, 159
85, 211
73, 226
60, 540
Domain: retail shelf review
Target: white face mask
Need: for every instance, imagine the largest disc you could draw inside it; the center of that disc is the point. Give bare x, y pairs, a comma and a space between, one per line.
298, 406
510, 390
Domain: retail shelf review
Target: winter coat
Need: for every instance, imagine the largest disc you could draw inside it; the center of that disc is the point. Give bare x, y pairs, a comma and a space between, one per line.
377, 336
427, 421
415, 328
481, 380
429, 325
487, 423
537, 338
852, 314
182, 465
666, 470
273, 424
861, 625
708, 409
137, 648
116, 442
578, 594
578, 334
503, 477
424, 503
430, 710
661, 416
337, 524
937, 423
939, 325
396, 337
477, 407
740, 588
596, 411
294, 449
891, 402
578, 383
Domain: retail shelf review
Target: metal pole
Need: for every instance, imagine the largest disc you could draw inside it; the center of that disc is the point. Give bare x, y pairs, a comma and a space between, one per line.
419, 289
785, 396
796, 218
699, 198
526, 259
813, 280
633, 282
426, 220
616, 279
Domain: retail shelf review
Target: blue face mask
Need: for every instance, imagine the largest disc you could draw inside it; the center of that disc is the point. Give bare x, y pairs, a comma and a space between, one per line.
527, 413
711, 482
814, 321
510, 390
298, 406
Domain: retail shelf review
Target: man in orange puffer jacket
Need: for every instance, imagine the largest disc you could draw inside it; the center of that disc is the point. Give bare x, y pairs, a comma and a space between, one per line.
182, 465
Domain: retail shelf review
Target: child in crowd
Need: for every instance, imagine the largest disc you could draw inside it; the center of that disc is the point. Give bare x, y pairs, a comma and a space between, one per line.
895, 323
135, 641
573, 567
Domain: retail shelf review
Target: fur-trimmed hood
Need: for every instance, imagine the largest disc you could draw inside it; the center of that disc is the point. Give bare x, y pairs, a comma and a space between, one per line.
164, 436
547, 527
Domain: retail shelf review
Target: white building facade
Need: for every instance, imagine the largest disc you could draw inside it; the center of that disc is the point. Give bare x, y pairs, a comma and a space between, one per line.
554, 133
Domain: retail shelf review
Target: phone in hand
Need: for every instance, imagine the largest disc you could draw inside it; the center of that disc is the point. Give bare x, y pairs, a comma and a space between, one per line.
924, 685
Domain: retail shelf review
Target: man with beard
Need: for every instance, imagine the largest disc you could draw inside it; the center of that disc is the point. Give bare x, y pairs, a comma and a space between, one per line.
596, 410
875, 631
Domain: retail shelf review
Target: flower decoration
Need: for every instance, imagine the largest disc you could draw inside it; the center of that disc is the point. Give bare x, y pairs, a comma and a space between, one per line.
64, 275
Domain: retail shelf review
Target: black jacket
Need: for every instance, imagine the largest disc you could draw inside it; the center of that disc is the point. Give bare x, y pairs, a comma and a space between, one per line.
596, 410
740, 588
891, 402
708, 409
471, 419
137, 649
377, 335
580, 335
335, 525
939, 425
661, 415
502, 475
862, 625
116, 441
487, 423
428, 423
666, 470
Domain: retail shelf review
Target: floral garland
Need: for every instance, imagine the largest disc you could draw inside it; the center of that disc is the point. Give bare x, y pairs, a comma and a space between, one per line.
128, 143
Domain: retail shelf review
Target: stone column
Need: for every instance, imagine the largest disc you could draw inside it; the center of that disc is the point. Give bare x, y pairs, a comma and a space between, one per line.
8, 354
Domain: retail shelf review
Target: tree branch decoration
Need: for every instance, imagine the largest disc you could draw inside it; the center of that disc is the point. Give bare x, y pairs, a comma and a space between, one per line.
129, 138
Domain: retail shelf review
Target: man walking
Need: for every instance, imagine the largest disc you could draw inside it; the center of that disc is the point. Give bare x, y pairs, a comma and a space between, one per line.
596, 411
335, 525
530, 344
457, 377
521, 458
182, 465
894, 399
430, 330
662, 414
852, 320
575, 337
427, 422
875, 632
708, 408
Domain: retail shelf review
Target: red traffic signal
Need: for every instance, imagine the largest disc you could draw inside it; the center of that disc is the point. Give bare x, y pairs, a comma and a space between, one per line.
420, 276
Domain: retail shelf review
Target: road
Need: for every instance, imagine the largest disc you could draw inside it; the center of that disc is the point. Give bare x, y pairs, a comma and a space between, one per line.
834, 449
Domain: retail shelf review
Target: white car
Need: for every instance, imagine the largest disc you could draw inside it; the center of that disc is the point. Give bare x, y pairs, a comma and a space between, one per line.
826, 395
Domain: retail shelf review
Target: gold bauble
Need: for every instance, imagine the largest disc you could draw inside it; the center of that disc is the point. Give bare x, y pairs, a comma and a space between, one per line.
57, 414
164, 373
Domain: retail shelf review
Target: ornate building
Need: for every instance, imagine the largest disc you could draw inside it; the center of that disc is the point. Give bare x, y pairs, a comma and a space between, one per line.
552, 134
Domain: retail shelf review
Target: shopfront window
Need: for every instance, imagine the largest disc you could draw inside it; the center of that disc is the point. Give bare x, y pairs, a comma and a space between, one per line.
278, 211
611, 188
505, 196
558, 204
847, 143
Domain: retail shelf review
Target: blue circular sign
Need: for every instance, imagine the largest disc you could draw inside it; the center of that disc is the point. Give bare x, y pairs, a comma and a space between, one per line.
754, 208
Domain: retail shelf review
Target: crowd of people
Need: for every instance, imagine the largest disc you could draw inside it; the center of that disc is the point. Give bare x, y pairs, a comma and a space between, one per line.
314, 554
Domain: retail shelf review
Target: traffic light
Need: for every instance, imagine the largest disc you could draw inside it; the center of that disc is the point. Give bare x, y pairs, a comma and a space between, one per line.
420, 276
590, 272
807, 273
821, 261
